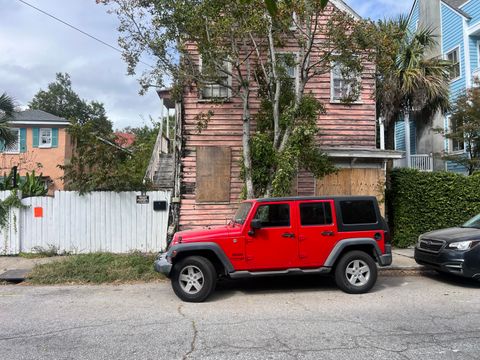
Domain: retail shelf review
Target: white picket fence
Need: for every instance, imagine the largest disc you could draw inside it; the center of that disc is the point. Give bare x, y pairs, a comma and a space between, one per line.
98, 221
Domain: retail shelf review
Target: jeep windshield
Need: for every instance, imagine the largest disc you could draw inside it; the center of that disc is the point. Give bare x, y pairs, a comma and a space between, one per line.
473, 223
242, 212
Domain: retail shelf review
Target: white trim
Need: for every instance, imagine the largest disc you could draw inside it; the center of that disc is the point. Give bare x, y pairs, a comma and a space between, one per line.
473, 29
445, 57
465, 3
341, 5
44, 146
441, 29
14, 152
478, 54
40, 123
466, 45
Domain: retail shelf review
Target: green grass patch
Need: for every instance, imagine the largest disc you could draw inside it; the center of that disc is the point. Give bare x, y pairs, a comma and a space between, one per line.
97, 268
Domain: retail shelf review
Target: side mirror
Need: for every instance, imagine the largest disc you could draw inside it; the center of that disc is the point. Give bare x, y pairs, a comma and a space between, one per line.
256, 224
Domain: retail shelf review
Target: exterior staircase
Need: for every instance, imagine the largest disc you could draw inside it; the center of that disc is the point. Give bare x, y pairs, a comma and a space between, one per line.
163, 177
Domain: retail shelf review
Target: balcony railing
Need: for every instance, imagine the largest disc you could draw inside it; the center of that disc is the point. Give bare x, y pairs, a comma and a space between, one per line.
422, 162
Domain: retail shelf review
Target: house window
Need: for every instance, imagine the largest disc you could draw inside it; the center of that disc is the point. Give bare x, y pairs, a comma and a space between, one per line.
345, 85
15, 147
288, 64
458, 145
45, 138
218, 81
454, 57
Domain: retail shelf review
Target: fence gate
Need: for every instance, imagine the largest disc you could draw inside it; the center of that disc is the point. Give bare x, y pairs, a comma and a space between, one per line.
98, 221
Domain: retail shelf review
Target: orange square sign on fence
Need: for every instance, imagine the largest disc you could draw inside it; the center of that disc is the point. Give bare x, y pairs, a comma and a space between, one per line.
38, 212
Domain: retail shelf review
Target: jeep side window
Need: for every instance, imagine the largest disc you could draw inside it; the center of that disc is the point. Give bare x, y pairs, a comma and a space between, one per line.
315, 214
273, 215
358, 212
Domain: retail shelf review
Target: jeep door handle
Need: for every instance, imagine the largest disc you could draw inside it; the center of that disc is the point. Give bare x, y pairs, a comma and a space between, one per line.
288, 235
328, 233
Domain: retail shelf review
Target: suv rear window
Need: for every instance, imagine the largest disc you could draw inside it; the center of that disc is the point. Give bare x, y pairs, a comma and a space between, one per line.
358, 212
315, 213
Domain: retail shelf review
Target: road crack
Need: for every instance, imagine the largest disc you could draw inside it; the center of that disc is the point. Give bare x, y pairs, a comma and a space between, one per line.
193, 342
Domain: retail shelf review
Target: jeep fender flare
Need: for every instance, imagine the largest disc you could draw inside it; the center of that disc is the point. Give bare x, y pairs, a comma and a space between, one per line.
178, 249
383, 260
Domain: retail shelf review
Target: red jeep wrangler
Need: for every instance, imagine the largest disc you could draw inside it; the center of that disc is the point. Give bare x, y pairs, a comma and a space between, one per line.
340, 235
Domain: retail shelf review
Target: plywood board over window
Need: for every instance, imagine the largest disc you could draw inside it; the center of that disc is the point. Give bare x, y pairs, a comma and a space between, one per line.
213, 174
366, 181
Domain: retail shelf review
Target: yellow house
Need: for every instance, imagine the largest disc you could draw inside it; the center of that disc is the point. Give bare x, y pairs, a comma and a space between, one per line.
43, 144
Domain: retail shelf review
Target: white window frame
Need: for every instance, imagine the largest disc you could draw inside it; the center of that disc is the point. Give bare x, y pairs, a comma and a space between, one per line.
201, 94
478, 54
10, 150
40, 144
332, 87
296, 78
450, 141
458, 49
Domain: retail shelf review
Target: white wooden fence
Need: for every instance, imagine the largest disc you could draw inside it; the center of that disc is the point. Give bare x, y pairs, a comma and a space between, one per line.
98, 221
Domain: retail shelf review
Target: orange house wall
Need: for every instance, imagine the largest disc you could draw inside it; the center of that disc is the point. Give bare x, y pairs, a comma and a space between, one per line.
42, 160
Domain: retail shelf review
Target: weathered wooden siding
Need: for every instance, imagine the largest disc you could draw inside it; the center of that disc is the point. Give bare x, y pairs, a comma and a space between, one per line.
342, 126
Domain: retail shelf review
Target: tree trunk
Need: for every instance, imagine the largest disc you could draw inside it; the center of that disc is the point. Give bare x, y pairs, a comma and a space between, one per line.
247, 159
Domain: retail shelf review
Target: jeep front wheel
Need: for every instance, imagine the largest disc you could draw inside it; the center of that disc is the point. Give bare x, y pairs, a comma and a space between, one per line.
356, 272
193, 278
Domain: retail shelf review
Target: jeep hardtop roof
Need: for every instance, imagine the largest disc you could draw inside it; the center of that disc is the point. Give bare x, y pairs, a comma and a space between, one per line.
304, 198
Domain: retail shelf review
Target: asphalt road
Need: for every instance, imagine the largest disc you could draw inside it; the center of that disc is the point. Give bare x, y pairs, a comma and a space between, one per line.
289, 318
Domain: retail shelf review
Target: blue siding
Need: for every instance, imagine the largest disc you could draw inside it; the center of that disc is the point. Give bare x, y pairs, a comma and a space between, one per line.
472, 42
472, 8
400, 136
452, 36
412, 23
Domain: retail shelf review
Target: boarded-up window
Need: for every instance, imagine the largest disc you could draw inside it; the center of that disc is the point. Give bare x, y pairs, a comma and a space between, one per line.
213, 174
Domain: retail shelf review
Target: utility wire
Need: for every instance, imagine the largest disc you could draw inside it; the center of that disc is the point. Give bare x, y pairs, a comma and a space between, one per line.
77, 29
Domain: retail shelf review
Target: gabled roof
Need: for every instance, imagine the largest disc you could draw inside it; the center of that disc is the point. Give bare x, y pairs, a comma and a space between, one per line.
455, 4
341, 5
39, 117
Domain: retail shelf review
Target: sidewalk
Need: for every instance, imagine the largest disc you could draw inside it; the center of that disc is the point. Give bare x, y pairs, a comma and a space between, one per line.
15, 268
403, 263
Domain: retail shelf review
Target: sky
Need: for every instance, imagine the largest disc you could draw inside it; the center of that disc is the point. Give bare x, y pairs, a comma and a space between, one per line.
34, 47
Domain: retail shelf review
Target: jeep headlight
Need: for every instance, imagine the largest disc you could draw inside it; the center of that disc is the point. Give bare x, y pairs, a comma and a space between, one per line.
463, 245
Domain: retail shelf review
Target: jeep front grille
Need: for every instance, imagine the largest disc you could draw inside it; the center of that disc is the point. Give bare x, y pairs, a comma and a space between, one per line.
431, 245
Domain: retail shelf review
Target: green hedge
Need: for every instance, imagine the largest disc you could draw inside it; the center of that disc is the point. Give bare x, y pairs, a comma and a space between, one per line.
421, 202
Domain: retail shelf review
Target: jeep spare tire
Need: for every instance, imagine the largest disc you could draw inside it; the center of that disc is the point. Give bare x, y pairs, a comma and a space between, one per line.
193, 278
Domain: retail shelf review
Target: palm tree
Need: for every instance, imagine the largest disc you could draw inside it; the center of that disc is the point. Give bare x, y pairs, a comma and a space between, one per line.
408, 81
7, 108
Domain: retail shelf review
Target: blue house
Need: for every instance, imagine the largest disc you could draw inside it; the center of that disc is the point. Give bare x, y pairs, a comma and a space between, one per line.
456, 24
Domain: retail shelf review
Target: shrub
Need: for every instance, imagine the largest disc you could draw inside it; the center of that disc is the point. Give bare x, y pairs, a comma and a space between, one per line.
420, 202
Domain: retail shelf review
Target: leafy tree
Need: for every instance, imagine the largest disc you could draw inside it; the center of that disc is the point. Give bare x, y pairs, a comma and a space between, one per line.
466, 130
7, 108
407, 81
243, 40
61, 100
99, 164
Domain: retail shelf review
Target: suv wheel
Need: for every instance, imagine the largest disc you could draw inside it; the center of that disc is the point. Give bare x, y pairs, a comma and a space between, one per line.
356, 272
193, 278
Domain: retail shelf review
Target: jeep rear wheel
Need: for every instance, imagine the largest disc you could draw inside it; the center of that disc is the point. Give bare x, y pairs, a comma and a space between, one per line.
193, 278
356, 272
